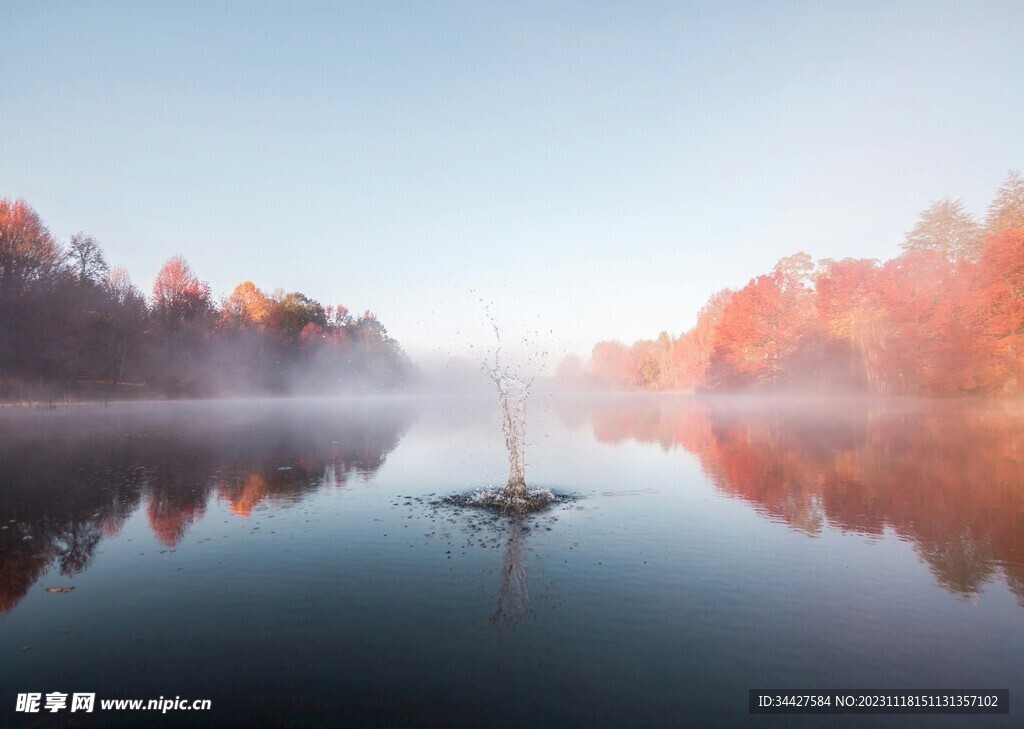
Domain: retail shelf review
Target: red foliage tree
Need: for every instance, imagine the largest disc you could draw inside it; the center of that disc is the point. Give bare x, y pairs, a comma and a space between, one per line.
932, 344
27, 250
762, 326
851, 313
1001, 280
178, 294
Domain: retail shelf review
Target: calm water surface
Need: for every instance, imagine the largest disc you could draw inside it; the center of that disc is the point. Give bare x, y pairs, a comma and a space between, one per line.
290, 560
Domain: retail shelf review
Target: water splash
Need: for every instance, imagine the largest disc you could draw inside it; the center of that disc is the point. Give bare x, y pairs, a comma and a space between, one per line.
515, 497
501, 500
512, 395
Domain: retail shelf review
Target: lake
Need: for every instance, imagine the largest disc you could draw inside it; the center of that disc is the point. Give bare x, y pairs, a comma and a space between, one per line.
295, 563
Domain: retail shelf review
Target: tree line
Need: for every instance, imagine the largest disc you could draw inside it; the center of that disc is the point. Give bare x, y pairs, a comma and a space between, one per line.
69, 321
946, 317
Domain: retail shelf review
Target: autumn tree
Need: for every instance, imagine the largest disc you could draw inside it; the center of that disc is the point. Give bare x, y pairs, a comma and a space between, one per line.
1007, 209
941, 319
36, 312
664, 347
179, 348
178, 294
851, 312
648, 357
67, 321
796, 270
27, 250
246, 307
1001, 279
946, 228
762, 325
692, 351
933, 315
338, 317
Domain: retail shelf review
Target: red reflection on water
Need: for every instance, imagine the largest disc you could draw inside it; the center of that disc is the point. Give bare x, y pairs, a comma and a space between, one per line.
947, 476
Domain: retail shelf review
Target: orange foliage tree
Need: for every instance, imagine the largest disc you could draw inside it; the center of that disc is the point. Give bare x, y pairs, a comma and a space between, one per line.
246, 307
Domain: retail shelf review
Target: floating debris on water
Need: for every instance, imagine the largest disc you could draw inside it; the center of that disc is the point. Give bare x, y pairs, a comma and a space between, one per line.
59, 589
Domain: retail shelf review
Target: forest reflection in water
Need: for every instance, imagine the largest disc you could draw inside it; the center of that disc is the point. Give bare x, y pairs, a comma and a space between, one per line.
945, 475
73, 478
242, 542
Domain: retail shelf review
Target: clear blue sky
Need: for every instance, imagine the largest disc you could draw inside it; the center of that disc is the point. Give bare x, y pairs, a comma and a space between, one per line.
596, 169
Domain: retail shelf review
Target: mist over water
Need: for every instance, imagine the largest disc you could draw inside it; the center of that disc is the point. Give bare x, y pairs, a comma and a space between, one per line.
716, 545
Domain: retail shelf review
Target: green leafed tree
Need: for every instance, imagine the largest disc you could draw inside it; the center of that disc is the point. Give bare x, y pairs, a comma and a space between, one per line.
298, 310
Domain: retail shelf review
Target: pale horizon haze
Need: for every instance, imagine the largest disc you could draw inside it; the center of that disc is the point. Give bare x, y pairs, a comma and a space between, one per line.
578, 171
